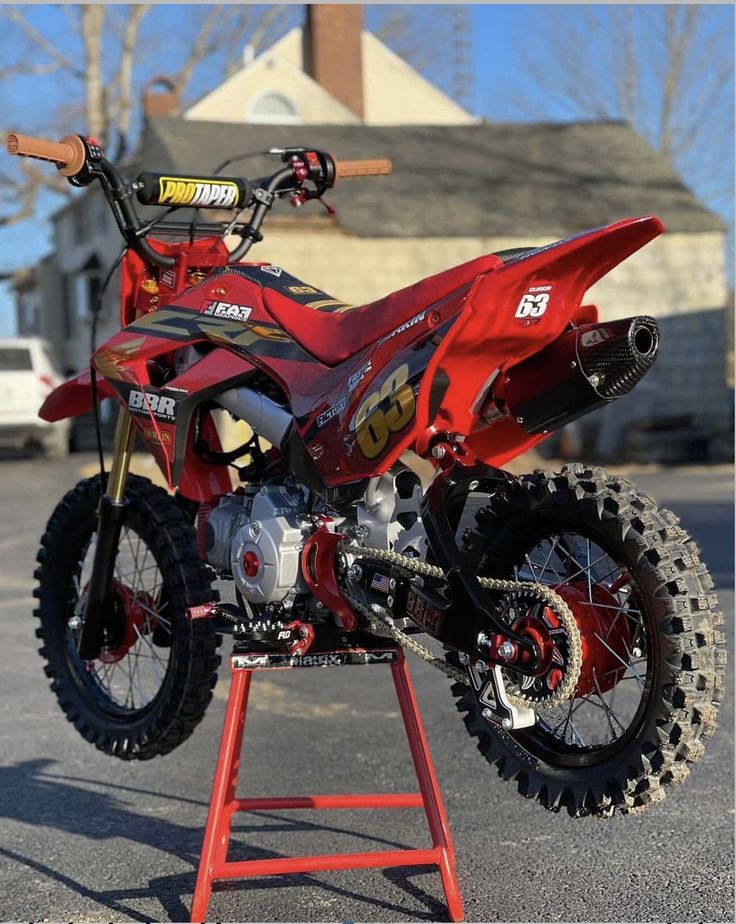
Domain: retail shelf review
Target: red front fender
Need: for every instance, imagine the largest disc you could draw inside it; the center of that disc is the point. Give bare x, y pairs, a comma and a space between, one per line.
74, 397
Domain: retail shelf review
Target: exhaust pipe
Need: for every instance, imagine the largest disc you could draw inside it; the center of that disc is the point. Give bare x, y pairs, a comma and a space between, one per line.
263, 416
585, 368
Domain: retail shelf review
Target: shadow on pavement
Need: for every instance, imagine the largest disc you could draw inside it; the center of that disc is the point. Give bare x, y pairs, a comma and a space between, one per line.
32, 796
18, 455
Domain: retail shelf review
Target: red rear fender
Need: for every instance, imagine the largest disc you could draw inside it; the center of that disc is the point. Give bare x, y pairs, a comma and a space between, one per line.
74, 397
496, 330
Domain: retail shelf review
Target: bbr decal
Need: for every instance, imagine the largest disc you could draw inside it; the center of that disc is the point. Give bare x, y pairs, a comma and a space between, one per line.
161, 406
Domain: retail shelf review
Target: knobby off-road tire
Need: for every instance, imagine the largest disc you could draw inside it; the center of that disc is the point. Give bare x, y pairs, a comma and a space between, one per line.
686, 659
125, 730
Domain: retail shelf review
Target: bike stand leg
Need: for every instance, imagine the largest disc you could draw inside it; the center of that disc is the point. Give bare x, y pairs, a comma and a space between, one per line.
214, 866
429, 786
222, 802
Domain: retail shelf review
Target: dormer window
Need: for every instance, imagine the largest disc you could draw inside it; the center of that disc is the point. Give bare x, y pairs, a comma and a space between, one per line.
274, 108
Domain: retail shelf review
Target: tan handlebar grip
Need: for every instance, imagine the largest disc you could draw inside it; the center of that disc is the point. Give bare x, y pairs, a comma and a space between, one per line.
69, 154
345, 169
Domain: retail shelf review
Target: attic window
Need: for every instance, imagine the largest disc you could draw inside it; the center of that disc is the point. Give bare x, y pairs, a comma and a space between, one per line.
275, 108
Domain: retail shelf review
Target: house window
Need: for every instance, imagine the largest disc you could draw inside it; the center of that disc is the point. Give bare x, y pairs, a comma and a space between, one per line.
80, 222
87, 285
274, 108
66, 305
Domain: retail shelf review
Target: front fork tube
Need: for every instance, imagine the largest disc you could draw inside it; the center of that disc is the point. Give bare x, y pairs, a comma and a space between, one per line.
110, 517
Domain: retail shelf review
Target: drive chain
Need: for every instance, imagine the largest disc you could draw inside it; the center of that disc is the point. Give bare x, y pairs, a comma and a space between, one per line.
546, 596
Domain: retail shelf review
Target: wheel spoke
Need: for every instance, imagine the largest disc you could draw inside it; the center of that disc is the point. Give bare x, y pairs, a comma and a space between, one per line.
610, 715
618, 657
616, 626
154, 655
132, 681
552, 549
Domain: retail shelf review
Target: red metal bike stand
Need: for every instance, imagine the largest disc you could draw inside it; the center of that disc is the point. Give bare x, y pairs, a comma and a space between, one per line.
213, 865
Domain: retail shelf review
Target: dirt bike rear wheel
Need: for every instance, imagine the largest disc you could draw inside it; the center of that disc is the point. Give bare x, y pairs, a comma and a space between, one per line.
644, 604
153, 680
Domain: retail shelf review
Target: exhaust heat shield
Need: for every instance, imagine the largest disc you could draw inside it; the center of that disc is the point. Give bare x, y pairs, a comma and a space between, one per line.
586, 367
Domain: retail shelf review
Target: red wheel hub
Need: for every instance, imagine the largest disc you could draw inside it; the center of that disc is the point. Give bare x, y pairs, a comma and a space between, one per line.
540, 630
605, 634
136, 610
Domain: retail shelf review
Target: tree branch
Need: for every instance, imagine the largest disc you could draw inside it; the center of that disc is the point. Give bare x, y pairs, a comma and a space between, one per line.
203, 46
93, 20
123, 83
41, 42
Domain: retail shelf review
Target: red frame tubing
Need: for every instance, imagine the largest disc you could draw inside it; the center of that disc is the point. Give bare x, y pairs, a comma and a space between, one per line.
213, 863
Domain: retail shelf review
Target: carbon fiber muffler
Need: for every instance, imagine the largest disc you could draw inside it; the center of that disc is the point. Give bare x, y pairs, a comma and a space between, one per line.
584, 368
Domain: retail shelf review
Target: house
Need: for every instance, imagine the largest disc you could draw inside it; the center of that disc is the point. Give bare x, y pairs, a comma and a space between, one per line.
460, 187
36, 289
331, 72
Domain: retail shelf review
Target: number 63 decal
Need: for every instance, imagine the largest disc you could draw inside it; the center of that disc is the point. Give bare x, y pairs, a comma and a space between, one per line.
532, 306
384, 412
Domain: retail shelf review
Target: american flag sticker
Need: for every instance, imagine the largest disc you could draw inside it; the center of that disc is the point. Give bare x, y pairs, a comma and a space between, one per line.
380, 582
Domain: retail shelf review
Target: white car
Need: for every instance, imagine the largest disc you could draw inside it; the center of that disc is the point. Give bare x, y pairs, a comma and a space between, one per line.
27, 374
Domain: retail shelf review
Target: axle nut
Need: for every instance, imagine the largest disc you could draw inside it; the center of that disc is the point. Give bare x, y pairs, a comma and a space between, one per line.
506, 650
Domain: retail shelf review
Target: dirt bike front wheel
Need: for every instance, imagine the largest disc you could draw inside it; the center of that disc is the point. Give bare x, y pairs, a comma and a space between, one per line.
153, 679
647, 696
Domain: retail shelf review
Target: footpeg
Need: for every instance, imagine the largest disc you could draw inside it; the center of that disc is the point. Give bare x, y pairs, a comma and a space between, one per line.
497, 708
294, 637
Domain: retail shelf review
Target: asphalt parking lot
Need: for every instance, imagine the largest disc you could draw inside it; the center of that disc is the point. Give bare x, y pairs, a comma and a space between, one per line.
86, 837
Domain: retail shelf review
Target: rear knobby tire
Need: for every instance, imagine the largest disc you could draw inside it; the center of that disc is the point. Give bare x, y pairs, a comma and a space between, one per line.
676, 590
186, 689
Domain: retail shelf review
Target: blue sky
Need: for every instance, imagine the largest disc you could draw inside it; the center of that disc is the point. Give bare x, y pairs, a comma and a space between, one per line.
499, 36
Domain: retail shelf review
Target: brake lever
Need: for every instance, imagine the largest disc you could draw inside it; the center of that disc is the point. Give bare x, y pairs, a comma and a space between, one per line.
301, 196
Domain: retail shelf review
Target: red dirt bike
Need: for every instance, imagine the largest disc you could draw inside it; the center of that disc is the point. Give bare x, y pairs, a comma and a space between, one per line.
571, 611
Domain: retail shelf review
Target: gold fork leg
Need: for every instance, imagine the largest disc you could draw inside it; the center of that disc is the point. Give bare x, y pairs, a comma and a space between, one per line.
122, 450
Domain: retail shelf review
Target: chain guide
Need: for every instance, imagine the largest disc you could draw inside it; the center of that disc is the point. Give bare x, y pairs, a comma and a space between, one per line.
537, 593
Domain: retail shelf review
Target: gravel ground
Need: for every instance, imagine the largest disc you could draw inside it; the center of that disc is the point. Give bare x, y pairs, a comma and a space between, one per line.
87, 837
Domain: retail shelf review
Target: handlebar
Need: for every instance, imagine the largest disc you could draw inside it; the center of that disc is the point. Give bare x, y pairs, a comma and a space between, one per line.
69, 154
81, 160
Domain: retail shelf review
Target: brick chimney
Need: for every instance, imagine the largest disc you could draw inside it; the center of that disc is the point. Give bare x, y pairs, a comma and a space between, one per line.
332, 51
160, 98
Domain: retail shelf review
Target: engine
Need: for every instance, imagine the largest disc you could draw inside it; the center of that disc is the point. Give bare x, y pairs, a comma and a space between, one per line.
257, 537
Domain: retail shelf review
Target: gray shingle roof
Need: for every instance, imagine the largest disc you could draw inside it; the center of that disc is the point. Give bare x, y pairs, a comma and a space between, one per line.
467, 180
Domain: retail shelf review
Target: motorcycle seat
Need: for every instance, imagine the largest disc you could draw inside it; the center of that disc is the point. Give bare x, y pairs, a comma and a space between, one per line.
333, 331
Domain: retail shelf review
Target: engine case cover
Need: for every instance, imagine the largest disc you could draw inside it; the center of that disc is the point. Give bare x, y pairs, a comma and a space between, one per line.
275, 535
232, 513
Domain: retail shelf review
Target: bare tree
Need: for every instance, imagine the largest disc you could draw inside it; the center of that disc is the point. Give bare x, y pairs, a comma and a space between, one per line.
432, 38
668, 70
96, 70
92, 60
